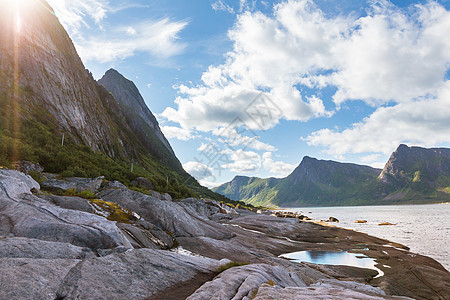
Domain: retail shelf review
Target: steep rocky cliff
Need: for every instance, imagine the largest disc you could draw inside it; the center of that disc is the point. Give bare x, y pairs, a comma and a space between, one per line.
55, 113
138, 116
41, 71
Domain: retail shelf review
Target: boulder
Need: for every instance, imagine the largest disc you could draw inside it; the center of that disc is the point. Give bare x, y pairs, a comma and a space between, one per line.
167, 215
75, 203
200, 207
26, 167
114, 185
31, 217
14, 183
75, 183
143, 183
243, 282
333, 219
386, 224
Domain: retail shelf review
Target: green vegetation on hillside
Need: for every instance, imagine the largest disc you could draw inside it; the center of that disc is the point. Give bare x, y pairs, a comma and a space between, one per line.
31, 134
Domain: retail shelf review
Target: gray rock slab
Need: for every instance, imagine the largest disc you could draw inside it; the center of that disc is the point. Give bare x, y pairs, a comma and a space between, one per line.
75, 203
76, 183
135, 274
14, 183
34, 219
266, 292
244, 281
25, 278
20, 247
167, 215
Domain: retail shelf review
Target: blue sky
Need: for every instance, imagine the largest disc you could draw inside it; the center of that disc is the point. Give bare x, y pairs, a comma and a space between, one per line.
250, 87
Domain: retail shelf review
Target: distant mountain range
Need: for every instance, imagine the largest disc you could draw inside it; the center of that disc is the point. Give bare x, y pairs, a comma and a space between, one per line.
54, 113
411, 175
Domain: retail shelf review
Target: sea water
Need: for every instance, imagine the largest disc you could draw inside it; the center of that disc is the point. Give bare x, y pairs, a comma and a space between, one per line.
425, 229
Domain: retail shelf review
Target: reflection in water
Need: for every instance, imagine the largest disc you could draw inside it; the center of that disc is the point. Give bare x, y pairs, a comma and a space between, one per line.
334, 258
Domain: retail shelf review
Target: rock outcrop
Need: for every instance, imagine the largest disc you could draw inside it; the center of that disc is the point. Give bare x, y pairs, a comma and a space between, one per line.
55, 247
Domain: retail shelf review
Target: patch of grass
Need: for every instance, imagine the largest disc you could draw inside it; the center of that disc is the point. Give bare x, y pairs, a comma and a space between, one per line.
82, 194
230, 265
113, 211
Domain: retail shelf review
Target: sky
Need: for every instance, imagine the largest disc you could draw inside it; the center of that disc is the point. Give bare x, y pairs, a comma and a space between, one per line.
247, 87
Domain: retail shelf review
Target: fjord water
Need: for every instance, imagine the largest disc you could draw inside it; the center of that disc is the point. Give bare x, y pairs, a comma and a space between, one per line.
423, 228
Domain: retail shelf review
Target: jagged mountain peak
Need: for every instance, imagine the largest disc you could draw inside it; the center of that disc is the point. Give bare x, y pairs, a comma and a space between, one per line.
134, 107
405, 161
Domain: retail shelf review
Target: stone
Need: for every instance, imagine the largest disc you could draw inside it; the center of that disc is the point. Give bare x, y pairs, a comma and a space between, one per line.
386, 224
26, 167
244, 281
75, 183
114, 185
14, 183
135, 274
333, 219
75, 203
30, 217
20, 247
200, 207
167, 215
361, 221
267, 292
143, 183
26, 278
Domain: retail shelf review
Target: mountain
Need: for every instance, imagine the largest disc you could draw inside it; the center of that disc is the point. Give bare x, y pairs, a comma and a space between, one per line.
139, 117
55, 113
313, 183
412, 175
415, 174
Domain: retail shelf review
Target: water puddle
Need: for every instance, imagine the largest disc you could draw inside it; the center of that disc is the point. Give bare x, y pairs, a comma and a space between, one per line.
334, 258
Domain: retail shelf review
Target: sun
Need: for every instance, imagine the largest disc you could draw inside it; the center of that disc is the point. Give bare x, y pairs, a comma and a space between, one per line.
17, 8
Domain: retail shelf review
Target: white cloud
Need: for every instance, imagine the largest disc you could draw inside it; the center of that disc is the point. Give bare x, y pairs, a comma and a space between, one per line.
220, 5
198, 170
423, 122
391, 56
234, 139
243, 161
276, 167
370, 158
73, 14
176, 132
158, 38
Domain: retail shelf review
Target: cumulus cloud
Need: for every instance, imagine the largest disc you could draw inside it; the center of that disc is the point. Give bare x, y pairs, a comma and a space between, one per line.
198, 170
243, 161
394, 59
176, 132
276, 167
158, 38
423, 122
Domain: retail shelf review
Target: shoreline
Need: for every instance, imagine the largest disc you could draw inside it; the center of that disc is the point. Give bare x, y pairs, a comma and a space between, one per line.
428, 238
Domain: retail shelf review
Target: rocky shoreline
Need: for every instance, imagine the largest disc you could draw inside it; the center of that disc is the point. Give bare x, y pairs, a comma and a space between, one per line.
92, 239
